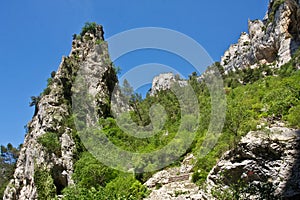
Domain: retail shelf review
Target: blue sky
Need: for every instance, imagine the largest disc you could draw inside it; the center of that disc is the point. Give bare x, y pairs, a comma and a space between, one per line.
35, 34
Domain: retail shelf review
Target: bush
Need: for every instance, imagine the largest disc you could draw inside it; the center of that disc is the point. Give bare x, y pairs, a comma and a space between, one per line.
44, 184
50, 141
88, 27
126, 187
294, 116
89, 172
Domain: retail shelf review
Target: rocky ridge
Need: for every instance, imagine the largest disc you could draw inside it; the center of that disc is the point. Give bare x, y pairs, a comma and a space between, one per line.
265, 156
271, 41
164, 81
269, 156
89, 52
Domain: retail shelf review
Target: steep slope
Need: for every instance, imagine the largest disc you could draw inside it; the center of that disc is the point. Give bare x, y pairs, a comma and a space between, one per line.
47, 158
271, 41
264, 164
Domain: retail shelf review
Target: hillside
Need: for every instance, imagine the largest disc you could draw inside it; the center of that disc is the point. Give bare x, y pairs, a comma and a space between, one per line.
256, 155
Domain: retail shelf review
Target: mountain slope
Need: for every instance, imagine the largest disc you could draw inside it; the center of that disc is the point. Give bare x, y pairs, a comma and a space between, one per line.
49, 149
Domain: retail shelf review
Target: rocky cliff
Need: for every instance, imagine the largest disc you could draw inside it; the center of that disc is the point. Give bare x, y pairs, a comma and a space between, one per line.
164, 82
267, 156
264, 161
270, 41
53, 117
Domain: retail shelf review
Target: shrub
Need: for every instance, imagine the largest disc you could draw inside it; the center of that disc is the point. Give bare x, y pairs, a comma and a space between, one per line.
50, 141
275, 7
89, 172
88, 27
44, 184
294, 116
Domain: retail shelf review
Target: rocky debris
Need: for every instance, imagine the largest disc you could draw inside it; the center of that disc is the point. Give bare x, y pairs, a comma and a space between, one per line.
260, 157
54, 107
174, 183
164, 82
271, 41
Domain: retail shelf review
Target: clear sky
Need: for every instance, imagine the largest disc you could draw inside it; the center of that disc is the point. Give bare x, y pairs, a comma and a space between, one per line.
35, 34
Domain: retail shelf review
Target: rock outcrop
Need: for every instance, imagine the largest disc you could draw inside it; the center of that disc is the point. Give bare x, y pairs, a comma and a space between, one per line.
164, 82
270, 156
265, 157
174, 183
54, 108
271, 41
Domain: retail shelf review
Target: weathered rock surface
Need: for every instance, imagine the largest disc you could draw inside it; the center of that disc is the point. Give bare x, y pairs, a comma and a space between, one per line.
272, 40
174, 183
260, 157
52, 110
164, 82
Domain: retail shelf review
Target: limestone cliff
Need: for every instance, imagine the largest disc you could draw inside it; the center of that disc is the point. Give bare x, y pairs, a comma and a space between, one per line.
54, 109
164, 82
258, 159
270, 41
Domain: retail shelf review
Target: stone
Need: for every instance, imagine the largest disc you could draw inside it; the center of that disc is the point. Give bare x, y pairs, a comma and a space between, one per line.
165, 81
53, 109
271, 41
260, 157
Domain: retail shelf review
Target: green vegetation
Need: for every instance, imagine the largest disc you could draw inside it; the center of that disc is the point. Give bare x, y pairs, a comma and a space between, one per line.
51, 142
256, 96
8, 159
274, 8
96, 181
244, 190
88, 27
252, 95
44, 184
270, 98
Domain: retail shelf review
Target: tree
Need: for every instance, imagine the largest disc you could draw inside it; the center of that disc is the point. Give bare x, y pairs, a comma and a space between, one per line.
34, 102
134, 102
126, 89
8, 158
89, 172
88, 27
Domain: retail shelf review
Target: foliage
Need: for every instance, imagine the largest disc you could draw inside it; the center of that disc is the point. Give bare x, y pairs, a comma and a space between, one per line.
294, 116
51, 142
88, 27
125, 187
89, 172
80, 193
117, 69
272, 98
44, 184
243, 190
34, 100
8, 158
252, 95
98, 41
274, 8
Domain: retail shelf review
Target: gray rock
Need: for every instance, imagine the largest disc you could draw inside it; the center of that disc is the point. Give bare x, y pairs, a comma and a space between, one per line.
260, 157
165, 81
53, 109
271, 41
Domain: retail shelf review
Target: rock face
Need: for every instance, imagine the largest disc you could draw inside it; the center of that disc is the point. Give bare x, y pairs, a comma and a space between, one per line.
174, 183
165, 81
272, 40
270, 156
262, 156
89, 52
